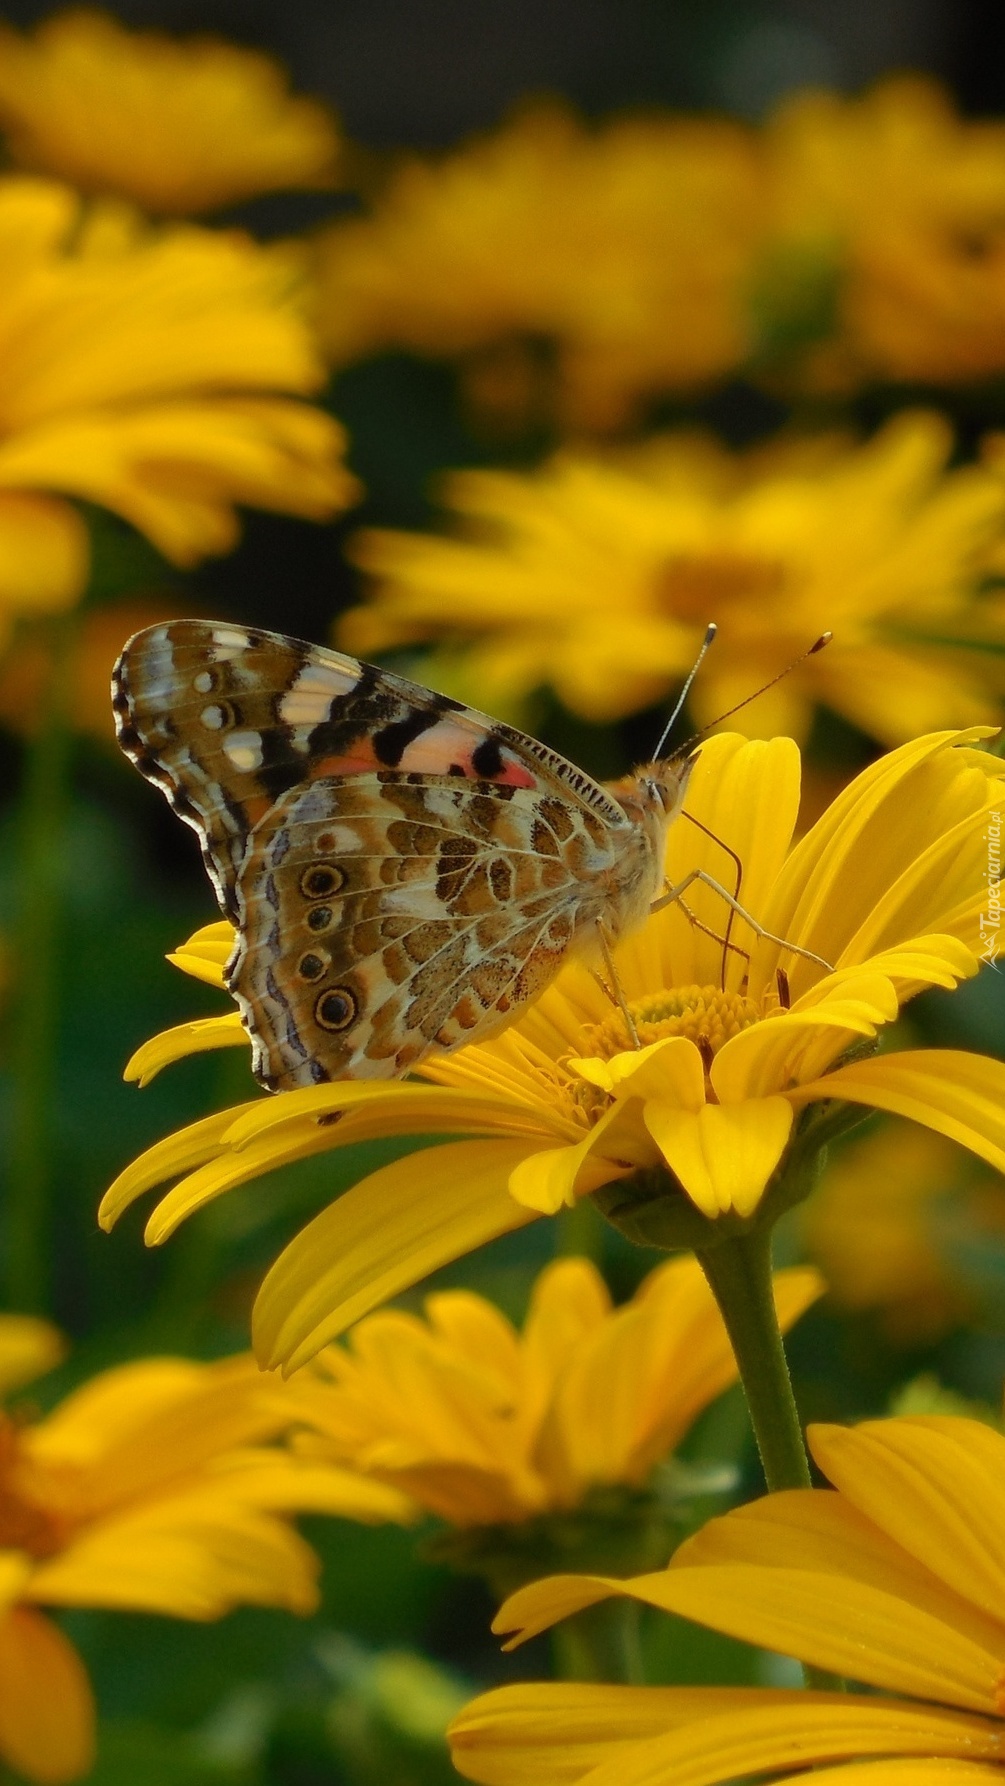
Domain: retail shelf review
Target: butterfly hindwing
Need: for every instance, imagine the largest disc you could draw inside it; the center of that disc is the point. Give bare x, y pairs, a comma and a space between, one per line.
384, 917
403, 872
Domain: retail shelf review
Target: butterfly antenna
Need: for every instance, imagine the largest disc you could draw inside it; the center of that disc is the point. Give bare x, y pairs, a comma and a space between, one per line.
811, 651
710, 632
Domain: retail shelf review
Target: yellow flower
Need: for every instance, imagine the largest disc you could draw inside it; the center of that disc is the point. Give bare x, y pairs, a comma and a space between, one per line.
606, 571
894, 1578
902, 1224
735, 1045
624, 247
152, 1488
905, 202
484, 1426
153, 372
176, 126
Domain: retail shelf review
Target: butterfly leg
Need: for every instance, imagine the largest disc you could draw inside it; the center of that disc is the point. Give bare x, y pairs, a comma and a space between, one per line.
618, 992
706, 930
673, 896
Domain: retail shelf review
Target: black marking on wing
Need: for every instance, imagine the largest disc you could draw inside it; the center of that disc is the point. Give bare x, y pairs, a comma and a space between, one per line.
487, 759
350, 715
391, 742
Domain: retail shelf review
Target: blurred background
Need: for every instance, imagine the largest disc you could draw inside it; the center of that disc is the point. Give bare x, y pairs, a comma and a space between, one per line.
360, 1692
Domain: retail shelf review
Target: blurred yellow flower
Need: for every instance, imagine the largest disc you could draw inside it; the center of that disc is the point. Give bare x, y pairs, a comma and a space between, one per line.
902, 1224
896, 1580
484, 1426
602, 573
153, 372
735, 1045
177, 126
623, 248
152, 1488
904, 202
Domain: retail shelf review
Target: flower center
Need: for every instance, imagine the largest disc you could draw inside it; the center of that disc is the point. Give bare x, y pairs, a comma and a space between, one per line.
689, 588
24, 1523
705, 1015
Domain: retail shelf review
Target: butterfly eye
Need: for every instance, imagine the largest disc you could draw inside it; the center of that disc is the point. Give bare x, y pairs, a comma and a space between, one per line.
320, 917
322, 881
311, 967
336, 1009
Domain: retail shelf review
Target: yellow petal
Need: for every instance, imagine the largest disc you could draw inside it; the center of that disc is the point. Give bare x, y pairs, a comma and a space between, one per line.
280, 1483
230, 1168
200, 966
807, 1729
553, 1731
194, 1556
29, 1347
367, 1111
388, 1232
937, 1486
771, 1056
47, 1713
552, 1176
748, 793
177, 1153
723, 1154
824, 1535
959, 1095
44, 553
197, 1037
826, 1619
834, 877
670, 1069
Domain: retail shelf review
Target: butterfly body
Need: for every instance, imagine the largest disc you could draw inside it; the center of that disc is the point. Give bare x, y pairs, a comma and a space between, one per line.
404, 874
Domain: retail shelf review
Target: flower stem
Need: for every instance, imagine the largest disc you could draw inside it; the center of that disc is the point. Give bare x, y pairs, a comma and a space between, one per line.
601, 1644
738, 1271
28, 1216
739, 1275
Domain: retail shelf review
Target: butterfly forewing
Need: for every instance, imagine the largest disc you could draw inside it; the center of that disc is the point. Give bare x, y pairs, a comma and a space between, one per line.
404, 873
226, 719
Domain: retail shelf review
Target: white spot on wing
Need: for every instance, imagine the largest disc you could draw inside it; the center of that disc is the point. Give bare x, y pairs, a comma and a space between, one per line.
213, 718
244, 750
228, 642
203, 683
306, 703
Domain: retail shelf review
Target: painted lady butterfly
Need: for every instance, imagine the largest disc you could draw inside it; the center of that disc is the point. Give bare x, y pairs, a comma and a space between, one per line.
404, 873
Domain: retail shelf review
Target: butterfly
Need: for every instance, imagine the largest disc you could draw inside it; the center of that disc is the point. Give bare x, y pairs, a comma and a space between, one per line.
404, 874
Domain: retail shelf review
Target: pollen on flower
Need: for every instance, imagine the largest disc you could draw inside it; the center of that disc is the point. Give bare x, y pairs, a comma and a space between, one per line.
25, 1523
705, 1015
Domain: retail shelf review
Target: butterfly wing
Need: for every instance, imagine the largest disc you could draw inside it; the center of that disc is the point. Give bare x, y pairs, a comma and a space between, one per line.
227, 719
404, 872
393, 915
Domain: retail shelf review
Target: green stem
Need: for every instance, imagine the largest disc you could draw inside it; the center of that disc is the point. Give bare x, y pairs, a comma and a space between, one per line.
739, 1275
35, 1004
601, 1644
579, 1231
738, 1271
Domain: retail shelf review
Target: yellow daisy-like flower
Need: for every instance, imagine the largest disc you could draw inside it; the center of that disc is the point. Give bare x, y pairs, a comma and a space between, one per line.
154, 372
906, 1226
623, 247
904, 202
152, 1488
603, 573
176, 126
894, 1578
482, 1425
736, 1046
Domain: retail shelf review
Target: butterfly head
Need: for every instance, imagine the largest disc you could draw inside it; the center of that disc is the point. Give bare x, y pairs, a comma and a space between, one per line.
653, 794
